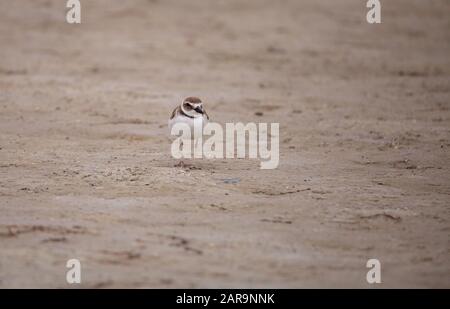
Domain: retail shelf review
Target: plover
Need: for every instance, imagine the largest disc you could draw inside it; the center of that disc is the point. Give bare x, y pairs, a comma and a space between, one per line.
191, 112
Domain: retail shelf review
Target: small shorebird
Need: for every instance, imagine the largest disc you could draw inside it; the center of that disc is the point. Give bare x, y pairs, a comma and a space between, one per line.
191, 112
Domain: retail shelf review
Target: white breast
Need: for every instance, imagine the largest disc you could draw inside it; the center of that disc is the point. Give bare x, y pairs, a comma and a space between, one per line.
198, 122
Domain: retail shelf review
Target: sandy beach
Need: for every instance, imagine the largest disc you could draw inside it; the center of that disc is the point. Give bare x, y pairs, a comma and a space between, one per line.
86, 170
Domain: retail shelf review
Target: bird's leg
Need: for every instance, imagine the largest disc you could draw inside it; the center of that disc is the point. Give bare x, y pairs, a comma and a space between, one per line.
181, 163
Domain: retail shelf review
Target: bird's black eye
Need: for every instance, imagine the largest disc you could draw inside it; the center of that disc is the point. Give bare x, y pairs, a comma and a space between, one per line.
188, 106
199, 109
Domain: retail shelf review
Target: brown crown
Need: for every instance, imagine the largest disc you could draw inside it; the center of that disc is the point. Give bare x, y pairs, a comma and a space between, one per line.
193, 100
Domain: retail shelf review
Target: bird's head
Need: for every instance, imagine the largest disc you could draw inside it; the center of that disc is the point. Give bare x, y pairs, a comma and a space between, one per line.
193, 107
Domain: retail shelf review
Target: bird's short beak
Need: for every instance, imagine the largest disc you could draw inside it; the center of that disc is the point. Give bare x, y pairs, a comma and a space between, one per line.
199, 109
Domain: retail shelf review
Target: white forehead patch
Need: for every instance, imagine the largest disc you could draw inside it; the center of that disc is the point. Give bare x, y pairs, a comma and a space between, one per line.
194, 105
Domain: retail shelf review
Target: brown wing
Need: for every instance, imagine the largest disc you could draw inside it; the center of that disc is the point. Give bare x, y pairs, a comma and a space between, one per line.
175, 112
207, 116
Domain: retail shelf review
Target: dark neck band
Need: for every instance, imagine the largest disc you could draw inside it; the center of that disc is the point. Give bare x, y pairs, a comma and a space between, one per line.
185, 113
